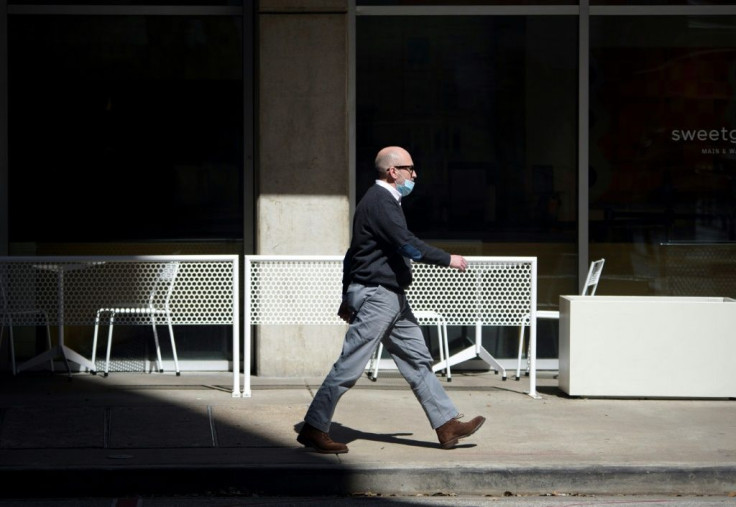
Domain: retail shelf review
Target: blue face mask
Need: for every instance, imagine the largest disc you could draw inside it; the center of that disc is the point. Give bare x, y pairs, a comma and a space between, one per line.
405, 188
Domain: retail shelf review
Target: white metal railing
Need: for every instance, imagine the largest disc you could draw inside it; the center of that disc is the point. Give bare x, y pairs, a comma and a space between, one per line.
70, 289
303, 290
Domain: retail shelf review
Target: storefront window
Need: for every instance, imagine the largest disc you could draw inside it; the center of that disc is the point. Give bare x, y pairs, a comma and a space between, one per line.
125, 128
663, 153
487, 106
178, 3
126, 137
464, 3
660, 2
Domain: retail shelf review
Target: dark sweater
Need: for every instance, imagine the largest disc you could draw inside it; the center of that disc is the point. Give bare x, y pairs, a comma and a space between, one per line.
382, 246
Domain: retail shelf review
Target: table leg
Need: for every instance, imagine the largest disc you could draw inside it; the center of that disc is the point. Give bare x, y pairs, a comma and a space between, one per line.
62, 350
477, 351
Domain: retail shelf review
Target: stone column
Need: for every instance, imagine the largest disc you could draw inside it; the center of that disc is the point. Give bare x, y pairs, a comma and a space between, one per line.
302, 169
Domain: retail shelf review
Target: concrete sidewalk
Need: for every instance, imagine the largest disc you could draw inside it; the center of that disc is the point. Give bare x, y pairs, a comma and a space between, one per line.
162, 434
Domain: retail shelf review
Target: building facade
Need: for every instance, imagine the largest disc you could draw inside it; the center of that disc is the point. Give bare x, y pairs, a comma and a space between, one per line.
565, 130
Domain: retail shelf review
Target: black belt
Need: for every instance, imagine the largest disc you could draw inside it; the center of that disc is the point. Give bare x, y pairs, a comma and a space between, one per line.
395, 290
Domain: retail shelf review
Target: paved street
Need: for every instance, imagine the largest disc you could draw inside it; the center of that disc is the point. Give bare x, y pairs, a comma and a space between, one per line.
158, 436
408, 501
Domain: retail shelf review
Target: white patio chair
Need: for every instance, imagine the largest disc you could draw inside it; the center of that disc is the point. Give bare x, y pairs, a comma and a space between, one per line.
157, 305
589, 288
426, 317
7, 312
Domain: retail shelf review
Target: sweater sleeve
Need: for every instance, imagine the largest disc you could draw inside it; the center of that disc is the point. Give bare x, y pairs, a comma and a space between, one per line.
346, 263
392, 226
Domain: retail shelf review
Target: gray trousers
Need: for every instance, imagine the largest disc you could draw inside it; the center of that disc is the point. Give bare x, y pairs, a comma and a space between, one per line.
384, 316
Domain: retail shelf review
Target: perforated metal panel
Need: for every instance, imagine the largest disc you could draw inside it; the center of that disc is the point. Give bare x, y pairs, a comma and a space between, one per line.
71, 290
302, 290
699, 269
296, 290
307, 290
490, 292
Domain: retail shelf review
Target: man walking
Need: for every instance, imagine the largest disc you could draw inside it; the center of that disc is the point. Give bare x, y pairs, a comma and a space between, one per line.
376, 273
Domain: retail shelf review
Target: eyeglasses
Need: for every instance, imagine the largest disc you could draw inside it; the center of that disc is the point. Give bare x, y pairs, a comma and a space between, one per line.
409, 168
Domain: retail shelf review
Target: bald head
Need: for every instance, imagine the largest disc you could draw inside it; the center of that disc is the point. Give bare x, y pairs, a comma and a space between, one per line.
391, 156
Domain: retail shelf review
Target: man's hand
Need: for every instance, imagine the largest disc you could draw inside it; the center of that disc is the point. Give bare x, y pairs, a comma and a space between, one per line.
345, 312
458, 262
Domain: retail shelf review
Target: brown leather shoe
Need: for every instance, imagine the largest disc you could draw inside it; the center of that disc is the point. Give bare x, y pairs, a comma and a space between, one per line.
309, 436
453, 430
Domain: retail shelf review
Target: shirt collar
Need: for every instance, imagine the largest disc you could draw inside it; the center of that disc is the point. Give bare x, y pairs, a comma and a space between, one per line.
391, 189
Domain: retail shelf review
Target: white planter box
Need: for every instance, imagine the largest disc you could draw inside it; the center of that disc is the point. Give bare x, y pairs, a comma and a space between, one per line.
648, 346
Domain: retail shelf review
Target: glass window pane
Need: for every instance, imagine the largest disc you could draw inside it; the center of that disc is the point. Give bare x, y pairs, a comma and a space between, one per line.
415, 3
125, 128
661, 2
206, 3
663, 152
487, 106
